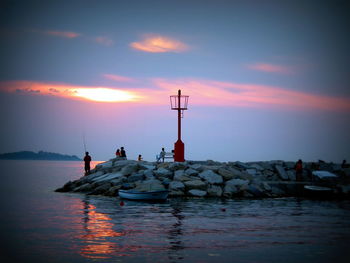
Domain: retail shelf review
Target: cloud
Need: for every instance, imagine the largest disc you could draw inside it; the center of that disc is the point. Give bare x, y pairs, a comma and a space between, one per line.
104, 41
271, 68
66, 34
90, 93
202, 92
118, 78
159, 44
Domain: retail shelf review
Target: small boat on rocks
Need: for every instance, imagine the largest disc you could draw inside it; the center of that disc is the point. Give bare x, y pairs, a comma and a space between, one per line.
145, 196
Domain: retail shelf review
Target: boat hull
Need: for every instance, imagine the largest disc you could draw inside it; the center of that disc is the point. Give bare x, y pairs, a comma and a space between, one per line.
147, 196
314, 191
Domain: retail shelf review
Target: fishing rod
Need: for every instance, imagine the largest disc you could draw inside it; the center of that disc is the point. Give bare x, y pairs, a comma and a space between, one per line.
84, 142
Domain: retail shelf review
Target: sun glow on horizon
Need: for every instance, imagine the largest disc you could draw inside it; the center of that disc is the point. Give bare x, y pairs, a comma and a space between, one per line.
104, 94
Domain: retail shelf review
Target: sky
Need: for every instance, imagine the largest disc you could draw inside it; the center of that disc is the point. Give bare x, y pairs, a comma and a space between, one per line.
266, 80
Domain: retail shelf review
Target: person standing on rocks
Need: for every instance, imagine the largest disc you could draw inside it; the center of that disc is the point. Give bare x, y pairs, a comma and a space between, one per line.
299, 170
122, 152
87, 160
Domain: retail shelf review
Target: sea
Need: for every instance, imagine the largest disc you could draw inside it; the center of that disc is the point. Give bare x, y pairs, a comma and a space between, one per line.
40, 225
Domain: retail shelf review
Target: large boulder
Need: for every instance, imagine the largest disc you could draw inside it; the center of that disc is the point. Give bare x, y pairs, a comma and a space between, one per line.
176, 186
197, 193
104, 165
83, 188
149, 185
162, 172
195, 184
191, 172
148, 174
107, 177
177, 166
181, 176
101, 189
214, 190
113, 191
69, 186
196, 166
135, 177
291, 175
281, 172
230, 190
237, 182
129, 169
211, 177
146, 166
227, 174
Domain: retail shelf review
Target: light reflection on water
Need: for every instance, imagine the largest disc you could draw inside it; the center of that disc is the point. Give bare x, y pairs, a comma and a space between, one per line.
61, 227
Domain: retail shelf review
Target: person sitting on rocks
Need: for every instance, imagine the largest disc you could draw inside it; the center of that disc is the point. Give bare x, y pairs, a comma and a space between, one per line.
139, 158
122, 153
117, 153
161, 156
87, 160
299, 170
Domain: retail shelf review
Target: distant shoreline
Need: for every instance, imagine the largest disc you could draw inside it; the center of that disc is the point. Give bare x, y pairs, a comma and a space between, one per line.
39, 156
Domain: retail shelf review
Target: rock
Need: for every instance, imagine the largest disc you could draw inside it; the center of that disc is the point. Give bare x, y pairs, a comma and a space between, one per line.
237, 182
277, 192
176, 193
180, 176
146, 166
197, 193
135, 177
281, 172
257, 167
101, 189
119, 181
242, 165
214, 190
251, 171
255, 191
162, 172
148, 174
176, 186
226, 174
196, 166
104, 165
113, 191
127, 186
83, 188
66, 188
191, 172
166, 181
149, 185
195, 184
289, 165
129, 169
266, 186
230, 190
92, 176
211, 177
177, 166
107, 177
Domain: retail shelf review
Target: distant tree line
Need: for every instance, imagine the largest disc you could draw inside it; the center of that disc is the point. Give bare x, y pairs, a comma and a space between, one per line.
41, 155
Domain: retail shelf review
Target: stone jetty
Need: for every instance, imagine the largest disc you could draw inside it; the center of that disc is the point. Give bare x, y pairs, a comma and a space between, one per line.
208, 178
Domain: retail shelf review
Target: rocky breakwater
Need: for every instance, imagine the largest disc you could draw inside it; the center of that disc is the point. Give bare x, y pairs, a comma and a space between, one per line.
204, 179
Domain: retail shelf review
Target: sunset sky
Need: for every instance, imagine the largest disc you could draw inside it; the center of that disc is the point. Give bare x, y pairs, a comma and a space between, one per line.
267, 80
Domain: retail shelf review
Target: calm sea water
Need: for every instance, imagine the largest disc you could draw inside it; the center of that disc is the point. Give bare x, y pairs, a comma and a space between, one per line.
39, 225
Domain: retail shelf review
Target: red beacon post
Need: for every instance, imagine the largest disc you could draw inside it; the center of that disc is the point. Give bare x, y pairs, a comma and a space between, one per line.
179, 102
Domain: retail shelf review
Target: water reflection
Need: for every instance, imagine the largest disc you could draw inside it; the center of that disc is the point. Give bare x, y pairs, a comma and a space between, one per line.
175, 234
98, 228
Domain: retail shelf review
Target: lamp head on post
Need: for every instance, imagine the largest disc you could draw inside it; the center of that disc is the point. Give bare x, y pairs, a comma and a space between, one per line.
179, 102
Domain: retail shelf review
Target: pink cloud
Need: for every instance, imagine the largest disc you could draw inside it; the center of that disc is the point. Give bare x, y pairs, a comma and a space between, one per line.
271, 68
118, 78
201, 92
104, 41
159, 44
66, 34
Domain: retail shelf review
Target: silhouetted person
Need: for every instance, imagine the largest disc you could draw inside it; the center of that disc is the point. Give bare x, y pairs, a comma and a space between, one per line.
299, 170
122, 152
117, 153
139, 158
87, 160
161, 155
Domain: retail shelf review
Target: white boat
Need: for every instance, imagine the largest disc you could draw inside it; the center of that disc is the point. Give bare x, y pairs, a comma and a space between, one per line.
137, 195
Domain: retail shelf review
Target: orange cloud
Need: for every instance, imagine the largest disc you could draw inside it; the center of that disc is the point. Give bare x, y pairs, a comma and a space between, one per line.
65, 34
104, 41
271, 68
159, 44
118, 78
